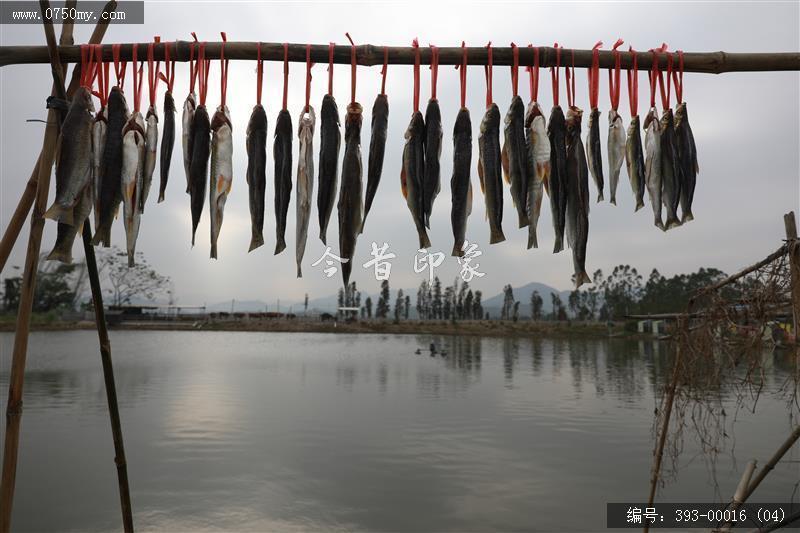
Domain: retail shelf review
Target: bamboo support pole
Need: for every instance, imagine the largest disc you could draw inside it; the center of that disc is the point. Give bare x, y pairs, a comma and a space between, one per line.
740, 495
19, 353
108, 375
371, 55
794, 265
662, 436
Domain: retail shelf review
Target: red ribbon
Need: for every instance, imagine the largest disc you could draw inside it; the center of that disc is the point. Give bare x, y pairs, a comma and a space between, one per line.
259, 74
202, 69
384, 69
434, 70
102, 75
571, 81
633, 85
534, 74
192, 65
677, 79
309, 64
463, 74
415, 45
514, 69
352, 69
657, 76
223, 67
285, 74
119, 66
594, 76
168, 76
88, 71
655, 73
554, 75
152, 75
613, 76
487, 70
137, 80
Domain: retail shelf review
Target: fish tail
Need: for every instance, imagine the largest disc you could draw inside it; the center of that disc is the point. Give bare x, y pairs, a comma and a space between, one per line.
599, 196
687, 217
256, 240
101, 236
533, 241
213, 254
280, 245
160, 196
424, 241
458, 249
496, 235
131, 262
59, 213
559, 244
639, 205
672, 222
299, 271
581, 278
613, 199
660, 224
65, 256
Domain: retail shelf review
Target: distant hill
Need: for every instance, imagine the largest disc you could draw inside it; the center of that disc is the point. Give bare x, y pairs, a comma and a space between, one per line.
522, 294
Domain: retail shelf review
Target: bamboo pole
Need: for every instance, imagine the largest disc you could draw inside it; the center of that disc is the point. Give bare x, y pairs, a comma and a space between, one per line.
19, 353
794, 265
108, 375
371, 55
740, 495
662, 437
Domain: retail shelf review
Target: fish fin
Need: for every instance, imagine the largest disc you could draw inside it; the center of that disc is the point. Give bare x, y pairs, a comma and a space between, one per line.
60, 255
299, 271
131, 261
613, 200
403, 187
469, 200
424, 240
533, 241
458, 250
480, 177
506, 165
672, 222
639, 205
581, 278
213, 253
687, 217
280, 246
160, 197
660, 224
256, 241
599, 196
558, 246
60, 213
496, 235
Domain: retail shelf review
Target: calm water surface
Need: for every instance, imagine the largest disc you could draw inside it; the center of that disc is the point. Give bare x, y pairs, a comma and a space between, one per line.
284, 432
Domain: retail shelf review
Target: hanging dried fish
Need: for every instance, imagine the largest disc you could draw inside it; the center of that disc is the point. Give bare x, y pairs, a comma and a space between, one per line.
652, 142
377, 144
221, 170
109, 194
634, 156
151, 133
577, 196
168, 138
66, 233
200, 145
431, 179
671, 175
74, 157
329, 144
490, 161
133, 144
557, 184
616, 129
593, 151
687, 157
99, 131
537, 146
187, 119
257, 173
350, 204
514, 154
460, 183
282, 153
305, 170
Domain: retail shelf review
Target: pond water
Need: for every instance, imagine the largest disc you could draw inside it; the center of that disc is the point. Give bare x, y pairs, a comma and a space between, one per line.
283, 432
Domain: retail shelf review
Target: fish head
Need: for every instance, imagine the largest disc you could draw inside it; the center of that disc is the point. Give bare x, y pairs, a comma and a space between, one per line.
221, 118
680, 112
416, 127
83, 98
652, 116
574, 117
152, 114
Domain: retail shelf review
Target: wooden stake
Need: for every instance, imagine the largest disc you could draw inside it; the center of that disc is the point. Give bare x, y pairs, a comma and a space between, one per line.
108, 375
19, 354
372, 55
794, 264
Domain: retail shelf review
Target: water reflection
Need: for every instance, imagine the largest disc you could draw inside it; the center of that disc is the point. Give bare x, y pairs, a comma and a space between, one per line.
356, 432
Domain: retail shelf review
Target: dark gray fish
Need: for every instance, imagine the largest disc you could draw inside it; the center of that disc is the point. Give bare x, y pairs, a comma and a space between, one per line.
109, 194
687, 157
73, 157
577, 196
329, 142
431, 180
412, 174
350, 203
282, 153
557, 184
634, 160
150, 149
490, 171
187, 136
65, 236
167, 143
257, 173
98, 143
515, 158
593, 152
538, 163
460, 184
652, 163
377, 149
198, 167
670, 170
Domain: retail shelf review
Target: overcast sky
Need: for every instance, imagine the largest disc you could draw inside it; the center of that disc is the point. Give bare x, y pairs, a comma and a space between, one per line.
745, 126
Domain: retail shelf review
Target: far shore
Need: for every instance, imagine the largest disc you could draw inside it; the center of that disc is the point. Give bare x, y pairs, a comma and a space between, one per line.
481, 328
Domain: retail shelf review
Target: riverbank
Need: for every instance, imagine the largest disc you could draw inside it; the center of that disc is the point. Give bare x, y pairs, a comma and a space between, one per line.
481, 328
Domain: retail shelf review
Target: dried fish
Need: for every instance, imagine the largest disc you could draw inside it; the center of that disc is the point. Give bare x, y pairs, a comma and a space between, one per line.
515, 158
412, 173
329, 143
577, 196
350, 204
74, 157
557, 184
198, 169
593, 152
634, 159
151, 148
167, 143
133, 145
282, 153
99, 129
110, 188
616, 151
187, 136
538, 162
305, 182
460, 183
221, 170
671, 174
377, 148
257, 172
66, 233
652, 142
490, 171
687, 157
431, 179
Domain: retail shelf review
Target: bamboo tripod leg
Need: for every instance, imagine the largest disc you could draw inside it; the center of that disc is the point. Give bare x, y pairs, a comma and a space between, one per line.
18, 218
108, 375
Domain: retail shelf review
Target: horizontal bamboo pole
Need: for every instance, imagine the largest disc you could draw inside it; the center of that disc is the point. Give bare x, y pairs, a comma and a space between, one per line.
370, 55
